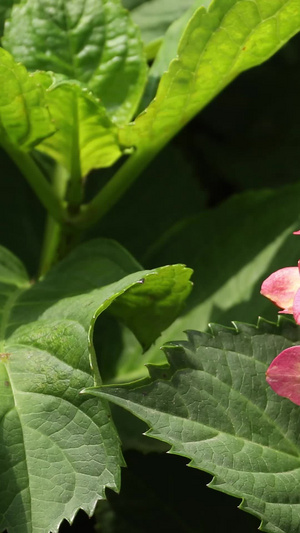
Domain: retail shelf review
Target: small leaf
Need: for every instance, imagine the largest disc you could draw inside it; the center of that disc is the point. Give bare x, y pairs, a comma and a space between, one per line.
92, 41
213, 406
24, 116
59, 450
85, 135
217, 45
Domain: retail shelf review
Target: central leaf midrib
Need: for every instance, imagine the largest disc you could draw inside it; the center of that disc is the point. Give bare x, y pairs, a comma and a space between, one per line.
21, 429
218, 432
245, 399
70, 43
198, 423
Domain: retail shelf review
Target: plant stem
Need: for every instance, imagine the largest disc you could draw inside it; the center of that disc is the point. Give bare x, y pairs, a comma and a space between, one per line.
37, 181
74, 194
50, 245
54, 230
115, 188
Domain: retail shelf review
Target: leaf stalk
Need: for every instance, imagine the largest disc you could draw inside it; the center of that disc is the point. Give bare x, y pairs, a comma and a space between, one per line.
109, 195
37, 181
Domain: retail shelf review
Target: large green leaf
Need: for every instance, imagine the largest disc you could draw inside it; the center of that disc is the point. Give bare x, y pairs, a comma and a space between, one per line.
85, 138
217, 45
58, 449
213, 405
232, 249
92, 41
24, 117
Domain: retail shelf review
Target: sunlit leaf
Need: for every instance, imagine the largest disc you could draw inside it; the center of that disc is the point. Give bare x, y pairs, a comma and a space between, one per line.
217, 45
24, 116
92, 41
85, 138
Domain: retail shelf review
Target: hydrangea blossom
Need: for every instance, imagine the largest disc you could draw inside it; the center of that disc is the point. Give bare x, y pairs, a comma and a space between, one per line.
283, 374
283, 289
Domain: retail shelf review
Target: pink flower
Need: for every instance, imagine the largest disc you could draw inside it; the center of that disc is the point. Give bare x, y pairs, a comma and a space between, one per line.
283, 289
283, 374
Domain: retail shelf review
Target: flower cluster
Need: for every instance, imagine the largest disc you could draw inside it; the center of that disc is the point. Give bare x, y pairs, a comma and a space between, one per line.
283, 289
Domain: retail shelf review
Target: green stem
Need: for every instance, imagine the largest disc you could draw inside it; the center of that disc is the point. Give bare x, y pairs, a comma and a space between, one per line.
74, 195
37, 181
50, 245
115, 188
54, 230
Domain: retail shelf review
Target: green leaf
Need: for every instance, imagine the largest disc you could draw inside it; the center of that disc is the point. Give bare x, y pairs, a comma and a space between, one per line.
58, 449
147, 309
155, 17
85, 138
167, 51
217, 45
232, 249
214, 406
24, 117
94, 42
132, 4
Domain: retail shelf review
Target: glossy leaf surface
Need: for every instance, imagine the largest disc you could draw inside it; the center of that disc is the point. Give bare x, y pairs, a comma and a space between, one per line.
92, 41
58, 449
213, 405
85, 138
217, 45
167, 51
24, 117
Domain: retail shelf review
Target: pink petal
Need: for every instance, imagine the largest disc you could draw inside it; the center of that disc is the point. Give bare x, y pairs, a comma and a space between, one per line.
283, 374
296, 307
296, 232
281, 287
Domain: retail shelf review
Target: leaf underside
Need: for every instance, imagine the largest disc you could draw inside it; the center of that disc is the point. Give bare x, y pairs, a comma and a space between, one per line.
213, 406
